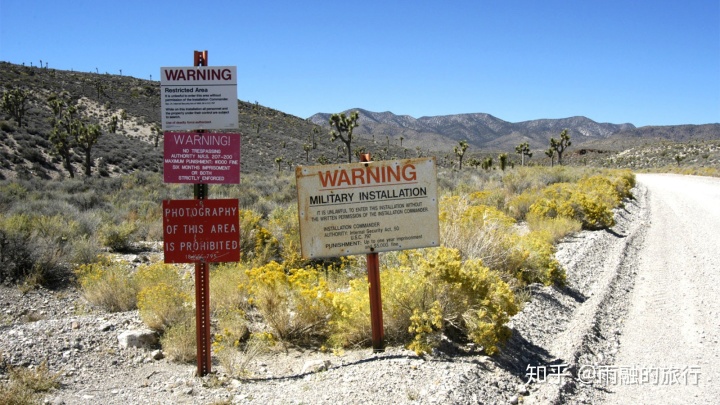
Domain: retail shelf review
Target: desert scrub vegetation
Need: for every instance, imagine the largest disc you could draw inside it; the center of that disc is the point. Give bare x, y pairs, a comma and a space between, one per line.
499, 231
48, 228
27, 385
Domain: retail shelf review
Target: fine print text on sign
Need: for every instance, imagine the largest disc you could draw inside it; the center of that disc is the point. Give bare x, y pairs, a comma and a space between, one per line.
207, 158
198, 97
201, 231
359, 208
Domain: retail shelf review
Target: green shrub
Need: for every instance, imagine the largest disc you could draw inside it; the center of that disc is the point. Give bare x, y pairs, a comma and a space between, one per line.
17, 258
35, 245
554, 228
179, 342
226, 293
119, 238
25, 385
477, 231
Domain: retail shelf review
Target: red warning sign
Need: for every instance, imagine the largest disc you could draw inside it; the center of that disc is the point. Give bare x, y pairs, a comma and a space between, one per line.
201, 231
201, 158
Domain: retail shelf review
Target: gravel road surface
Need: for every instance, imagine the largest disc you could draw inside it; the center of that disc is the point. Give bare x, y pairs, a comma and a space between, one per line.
669, 351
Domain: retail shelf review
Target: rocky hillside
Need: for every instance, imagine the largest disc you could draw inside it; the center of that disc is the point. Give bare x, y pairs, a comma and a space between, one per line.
271, 140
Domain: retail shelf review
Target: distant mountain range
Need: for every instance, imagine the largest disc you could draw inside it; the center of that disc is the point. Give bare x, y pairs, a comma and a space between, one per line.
485, 131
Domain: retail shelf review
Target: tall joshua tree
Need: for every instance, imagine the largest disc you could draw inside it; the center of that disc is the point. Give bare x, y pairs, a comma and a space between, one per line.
560, 145
503, 158
460, 152
15, 103
65, 126
523, 150
343, 129
86, 136
551, 154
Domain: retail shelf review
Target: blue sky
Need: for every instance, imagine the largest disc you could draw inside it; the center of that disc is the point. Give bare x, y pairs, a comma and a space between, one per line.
644, 62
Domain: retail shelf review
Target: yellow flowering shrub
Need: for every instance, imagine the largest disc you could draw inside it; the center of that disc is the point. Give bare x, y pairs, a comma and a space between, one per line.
107, 284
477, 231
350, 322
425, 328
535, 258
493, 197
589, 201
249, 223
164, 298
283, 224
519, 205
296, 303
425, 292
473, 298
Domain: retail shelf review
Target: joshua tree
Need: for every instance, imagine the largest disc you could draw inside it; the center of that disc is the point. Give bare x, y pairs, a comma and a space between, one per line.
551, 154
86, 136
307, 147
523, 150
123, 117
158, 132
487, 163
460, 152
560, 145
315, 131
279, 160
61, 141
14, 102
344, 129
503, 161
113, 124
65, 126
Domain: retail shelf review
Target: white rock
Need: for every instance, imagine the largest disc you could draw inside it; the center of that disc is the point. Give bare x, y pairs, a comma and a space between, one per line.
140, 338
315, 366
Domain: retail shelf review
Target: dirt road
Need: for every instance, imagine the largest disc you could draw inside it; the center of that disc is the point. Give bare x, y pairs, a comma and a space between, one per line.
669, 350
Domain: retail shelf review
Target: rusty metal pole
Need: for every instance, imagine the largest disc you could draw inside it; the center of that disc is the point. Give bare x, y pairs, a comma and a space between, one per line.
202, 278
373, 269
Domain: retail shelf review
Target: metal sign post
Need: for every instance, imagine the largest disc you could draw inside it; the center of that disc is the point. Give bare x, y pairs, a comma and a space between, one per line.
373, 270
202, 277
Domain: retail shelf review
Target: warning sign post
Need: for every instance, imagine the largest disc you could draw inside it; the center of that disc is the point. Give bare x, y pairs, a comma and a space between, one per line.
367, 207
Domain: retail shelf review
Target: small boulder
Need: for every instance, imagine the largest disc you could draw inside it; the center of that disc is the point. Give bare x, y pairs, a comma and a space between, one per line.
140, 338
315, 366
